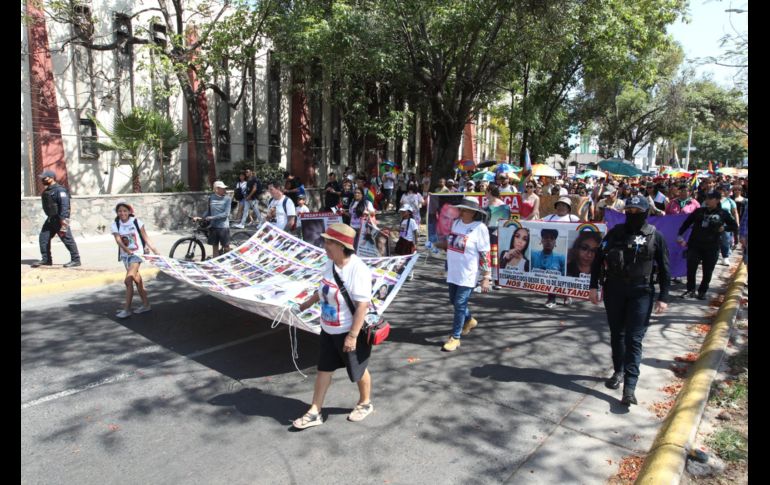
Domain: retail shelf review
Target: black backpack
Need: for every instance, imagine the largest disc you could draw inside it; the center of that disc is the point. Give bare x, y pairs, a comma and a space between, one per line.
138, 231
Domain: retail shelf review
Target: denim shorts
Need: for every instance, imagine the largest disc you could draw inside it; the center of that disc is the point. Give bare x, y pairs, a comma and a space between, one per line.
130, 259
219, 235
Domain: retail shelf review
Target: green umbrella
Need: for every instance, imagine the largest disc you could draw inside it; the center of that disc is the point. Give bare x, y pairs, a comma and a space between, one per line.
619, 167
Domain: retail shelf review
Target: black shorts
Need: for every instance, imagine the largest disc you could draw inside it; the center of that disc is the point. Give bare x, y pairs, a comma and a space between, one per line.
219, 235
332, 357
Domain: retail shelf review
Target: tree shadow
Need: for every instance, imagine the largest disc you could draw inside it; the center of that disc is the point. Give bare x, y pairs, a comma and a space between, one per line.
568, 382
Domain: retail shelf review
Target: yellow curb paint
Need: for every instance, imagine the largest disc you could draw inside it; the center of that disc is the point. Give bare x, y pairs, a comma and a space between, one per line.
666, 460
76, 284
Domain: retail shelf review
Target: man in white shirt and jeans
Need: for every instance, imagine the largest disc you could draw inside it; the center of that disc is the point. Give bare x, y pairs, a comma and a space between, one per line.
388, 184
281, 210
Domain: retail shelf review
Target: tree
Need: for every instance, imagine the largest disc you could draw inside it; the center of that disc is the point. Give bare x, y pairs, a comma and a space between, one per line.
192, 48
135, 137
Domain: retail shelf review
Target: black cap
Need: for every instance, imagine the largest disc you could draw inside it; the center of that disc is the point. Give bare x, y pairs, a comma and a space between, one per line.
46, 174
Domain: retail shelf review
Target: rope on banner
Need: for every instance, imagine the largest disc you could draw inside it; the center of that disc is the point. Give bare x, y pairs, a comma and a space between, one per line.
293, 341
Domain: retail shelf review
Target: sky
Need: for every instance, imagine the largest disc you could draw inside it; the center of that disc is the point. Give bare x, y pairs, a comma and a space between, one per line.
708, 23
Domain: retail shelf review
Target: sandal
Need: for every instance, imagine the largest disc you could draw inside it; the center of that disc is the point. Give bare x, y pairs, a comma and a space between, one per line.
308, 420
360, 412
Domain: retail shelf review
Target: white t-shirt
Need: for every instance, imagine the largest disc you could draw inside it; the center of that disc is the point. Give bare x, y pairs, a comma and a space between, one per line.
388, 181
129, 234
335, 312
281, 217
355, 221
557, 218
303, 209
463, 248
507, 190
408, 227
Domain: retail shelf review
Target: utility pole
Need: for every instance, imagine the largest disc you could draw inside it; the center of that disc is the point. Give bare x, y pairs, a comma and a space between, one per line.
510, 131
689, 144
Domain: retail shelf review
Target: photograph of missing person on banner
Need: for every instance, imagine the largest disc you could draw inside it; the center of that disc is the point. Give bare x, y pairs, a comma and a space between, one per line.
442, 214
313, 224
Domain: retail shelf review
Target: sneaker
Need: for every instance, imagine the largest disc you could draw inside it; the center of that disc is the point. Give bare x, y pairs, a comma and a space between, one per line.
496, 287
725, 262
614, 381
360, 412
37, 264
688, 294
470, 324
676, 281
628, 397
142, 309
568, 301
237, 226
550, 304
123, 314
71, 264
308, 421
451, 344
701, 296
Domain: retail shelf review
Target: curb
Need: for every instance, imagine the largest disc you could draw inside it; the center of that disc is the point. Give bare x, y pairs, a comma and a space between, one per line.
76, 284
666, 459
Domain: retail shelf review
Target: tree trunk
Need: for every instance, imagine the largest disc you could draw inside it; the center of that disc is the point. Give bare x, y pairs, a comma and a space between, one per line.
445, 147
136, 184
199, 139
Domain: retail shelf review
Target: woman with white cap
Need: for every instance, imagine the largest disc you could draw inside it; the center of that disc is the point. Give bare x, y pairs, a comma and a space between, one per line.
345, 292
468, 250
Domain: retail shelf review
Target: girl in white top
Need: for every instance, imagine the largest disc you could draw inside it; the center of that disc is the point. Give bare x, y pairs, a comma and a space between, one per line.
359, 209
129, 233
413, 199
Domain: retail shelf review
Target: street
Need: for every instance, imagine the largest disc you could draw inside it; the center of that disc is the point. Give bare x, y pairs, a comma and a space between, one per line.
203, 392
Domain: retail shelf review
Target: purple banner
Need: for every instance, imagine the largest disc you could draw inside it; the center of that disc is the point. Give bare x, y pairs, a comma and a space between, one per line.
668, 226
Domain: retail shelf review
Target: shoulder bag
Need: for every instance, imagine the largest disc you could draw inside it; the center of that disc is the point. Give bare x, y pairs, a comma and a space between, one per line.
376, 328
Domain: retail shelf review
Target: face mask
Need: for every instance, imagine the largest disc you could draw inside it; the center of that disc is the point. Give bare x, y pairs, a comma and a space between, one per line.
634, 222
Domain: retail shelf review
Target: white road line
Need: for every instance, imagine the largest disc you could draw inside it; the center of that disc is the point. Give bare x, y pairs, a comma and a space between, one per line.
120, 377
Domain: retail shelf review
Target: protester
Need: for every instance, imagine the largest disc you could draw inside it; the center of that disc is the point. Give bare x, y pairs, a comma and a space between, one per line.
239, 194
515, 257
281, 210
731, 207
218, 215
332, 193
629, 253
610, 201
413, 199
293, 187
132, 240
583, 252
56, 205
407, 232
656, 199
346, 285
451, 186
530, 202
683, 203
301, 208
361, 210
251, 200
586, 210
467, 250
388, 184
503, 183
708, 225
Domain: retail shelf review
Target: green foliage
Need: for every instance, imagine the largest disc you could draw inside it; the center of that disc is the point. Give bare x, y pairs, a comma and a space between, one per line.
729, 444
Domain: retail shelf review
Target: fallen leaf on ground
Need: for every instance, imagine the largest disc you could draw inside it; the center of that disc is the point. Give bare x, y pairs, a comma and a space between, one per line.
412, 360
690, 357
113, 427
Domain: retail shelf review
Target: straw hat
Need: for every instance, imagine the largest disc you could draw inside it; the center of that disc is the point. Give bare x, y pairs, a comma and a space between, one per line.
341, 233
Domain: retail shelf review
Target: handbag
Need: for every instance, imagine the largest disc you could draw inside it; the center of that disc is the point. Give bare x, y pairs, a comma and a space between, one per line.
377, 328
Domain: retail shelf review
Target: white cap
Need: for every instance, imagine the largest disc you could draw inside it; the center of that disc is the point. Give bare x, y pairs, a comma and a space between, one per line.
219, 185
406, 207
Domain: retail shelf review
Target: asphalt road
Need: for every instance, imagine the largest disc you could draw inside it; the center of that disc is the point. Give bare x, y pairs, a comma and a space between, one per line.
198, 391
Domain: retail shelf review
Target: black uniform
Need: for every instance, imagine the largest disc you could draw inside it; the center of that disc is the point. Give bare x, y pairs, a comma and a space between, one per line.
56, 204
703, 245
625, 261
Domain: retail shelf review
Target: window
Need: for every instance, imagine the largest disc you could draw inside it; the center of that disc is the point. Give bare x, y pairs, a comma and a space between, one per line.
159, 34
250, 145
223, 146
88, 139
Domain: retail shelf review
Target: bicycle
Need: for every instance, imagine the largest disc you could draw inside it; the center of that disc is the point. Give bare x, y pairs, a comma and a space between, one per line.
193, 247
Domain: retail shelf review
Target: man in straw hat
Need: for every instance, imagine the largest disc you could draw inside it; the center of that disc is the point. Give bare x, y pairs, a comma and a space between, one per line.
467, 250
346, 283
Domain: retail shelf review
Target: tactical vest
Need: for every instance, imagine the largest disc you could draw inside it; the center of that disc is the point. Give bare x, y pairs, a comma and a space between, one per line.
50, 206
630, 258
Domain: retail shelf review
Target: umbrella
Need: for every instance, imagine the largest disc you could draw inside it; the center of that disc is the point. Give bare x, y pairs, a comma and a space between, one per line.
542, 170
592, 173
744, 172
388, 162
488, 163
680, 174
488, 176
619, 167
731, 171
504, 168
466, 164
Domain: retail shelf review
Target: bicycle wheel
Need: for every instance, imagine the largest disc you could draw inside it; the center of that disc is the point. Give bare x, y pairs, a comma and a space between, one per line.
188, 249
239, 237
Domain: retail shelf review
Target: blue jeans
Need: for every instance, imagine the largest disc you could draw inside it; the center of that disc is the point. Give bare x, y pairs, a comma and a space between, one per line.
725, 242
628, 313
459, 296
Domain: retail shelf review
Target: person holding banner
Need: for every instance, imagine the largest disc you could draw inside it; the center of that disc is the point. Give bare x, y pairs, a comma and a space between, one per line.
467, 250
625, 263
345, 293
361, 210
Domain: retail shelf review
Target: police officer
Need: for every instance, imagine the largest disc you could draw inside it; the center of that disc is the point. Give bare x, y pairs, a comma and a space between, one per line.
625, 262
56, 204
708, 225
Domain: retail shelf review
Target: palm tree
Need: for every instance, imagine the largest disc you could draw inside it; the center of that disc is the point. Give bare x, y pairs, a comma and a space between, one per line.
136, 135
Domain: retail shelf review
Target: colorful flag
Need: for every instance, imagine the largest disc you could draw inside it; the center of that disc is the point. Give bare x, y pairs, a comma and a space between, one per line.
527, 161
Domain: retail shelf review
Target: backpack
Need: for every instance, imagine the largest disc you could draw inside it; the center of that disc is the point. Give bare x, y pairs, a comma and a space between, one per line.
285, 201
138, 231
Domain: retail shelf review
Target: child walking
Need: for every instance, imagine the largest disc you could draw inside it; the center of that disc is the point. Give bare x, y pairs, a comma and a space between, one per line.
132, 241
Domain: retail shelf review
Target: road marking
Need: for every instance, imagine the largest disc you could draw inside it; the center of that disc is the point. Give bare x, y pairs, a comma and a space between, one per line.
125, 375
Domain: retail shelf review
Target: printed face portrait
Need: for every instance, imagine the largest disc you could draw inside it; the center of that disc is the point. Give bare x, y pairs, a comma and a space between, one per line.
585, 247
445, 217
520, 239
548, 241
382, 292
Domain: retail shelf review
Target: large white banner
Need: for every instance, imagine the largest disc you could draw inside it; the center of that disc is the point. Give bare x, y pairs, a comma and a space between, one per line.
548, 257
274, 270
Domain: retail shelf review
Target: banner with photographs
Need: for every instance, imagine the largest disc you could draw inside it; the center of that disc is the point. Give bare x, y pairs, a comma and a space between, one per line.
372, 242
548, 257
314, 224
274, 270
